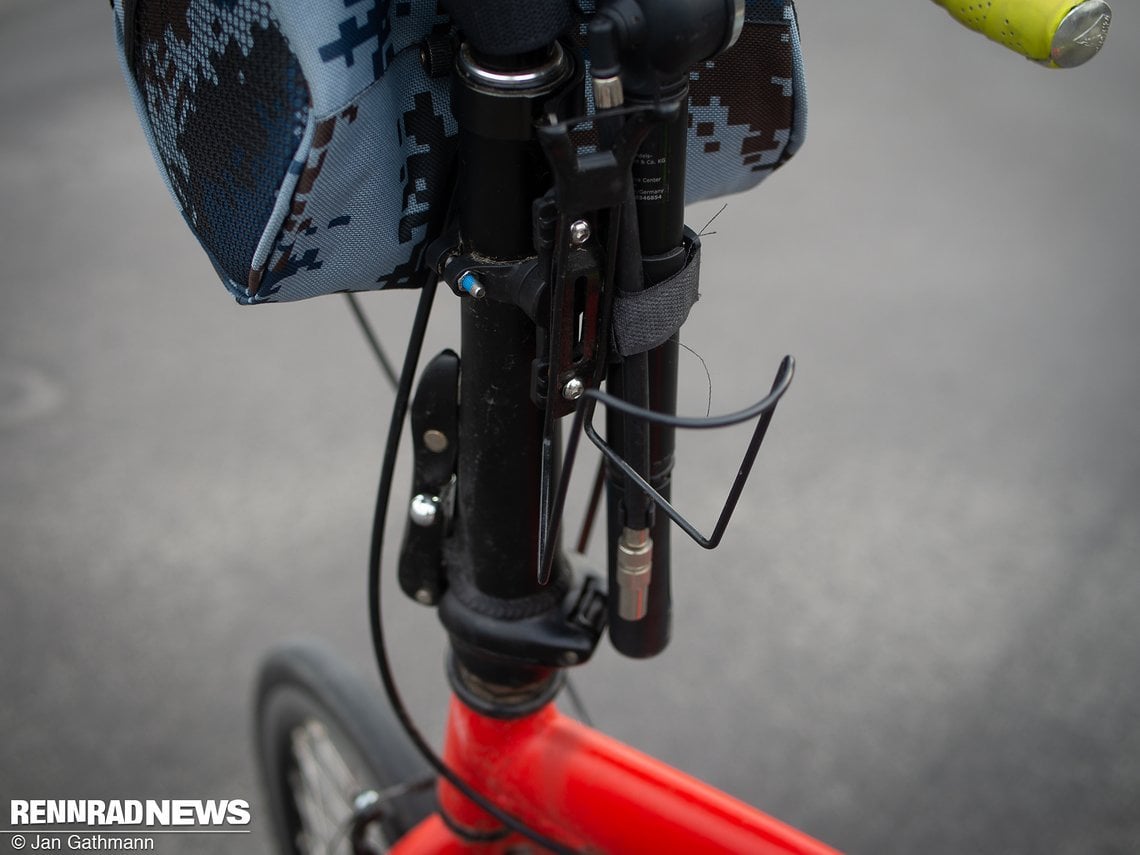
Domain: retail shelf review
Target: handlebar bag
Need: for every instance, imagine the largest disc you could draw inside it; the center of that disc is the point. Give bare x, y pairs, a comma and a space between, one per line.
311, 153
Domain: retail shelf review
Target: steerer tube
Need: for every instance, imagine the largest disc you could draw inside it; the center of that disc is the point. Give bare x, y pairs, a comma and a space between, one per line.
502, 170
502, 624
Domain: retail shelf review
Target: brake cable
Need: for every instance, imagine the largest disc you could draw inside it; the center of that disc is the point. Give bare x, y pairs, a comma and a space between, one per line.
395, 429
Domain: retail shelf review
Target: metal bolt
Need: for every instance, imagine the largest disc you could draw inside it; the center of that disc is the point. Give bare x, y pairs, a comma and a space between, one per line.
365, 800
435, 440
470, 283
423, 510
569, 658
424, 597
579, 232
573, 389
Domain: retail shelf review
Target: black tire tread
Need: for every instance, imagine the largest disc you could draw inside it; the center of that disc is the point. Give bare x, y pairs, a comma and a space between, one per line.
306, 674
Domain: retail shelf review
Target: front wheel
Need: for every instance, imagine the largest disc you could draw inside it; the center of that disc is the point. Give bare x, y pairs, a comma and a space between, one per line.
340, 775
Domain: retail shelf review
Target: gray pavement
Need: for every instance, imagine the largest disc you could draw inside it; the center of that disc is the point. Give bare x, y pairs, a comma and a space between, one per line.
921, 635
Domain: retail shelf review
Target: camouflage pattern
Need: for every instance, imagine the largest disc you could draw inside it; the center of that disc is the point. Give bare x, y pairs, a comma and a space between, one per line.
310, 153
748, 106
228, 106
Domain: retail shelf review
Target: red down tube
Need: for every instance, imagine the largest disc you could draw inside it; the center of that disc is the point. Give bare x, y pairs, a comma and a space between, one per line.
590, 792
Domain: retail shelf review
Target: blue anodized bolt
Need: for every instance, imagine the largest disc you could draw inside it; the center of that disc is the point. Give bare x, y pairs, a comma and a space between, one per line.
470, 283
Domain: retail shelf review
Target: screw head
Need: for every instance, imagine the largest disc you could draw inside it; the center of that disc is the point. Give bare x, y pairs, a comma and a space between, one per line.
579, 232
424, 597
470, 283
423, 510
435, 441
573, 389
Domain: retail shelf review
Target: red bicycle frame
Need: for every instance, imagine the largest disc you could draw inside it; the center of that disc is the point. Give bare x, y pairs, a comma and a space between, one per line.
587, 790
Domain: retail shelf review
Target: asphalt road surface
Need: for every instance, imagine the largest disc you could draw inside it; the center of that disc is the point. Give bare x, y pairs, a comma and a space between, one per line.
920, 636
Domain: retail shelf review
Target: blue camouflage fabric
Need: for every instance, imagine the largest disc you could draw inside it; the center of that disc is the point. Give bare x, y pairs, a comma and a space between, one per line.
311, 153
748, 106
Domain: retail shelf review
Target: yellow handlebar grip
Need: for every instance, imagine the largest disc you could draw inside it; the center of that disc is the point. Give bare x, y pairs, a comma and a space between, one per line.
1057, 33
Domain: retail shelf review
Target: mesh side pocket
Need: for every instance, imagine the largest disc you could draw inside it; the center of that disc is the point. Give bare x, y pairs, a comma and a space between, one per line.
227, 105
748, 106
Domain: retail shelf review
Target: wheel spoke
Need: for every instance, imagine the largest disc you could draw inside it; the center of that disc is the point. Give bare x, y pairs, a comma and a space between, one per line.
325, 790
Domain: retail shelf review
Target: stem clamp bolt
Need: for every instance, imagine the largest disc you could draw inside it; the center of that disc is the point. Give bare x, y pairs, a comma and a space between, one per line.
470, 283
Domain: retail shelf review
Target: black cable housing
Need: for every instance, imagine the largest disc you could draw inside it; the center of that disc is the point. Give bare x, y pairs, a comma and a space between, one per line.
373, 342
376, 623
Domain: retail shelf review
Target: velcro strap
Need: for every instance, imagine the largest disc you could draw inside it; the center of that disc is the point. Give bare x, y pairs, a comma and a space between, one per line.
642, 320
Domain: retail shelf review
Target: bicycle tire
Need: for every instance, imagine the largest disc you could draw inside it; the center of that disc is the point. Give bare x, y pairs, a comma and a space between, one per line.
314, 717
